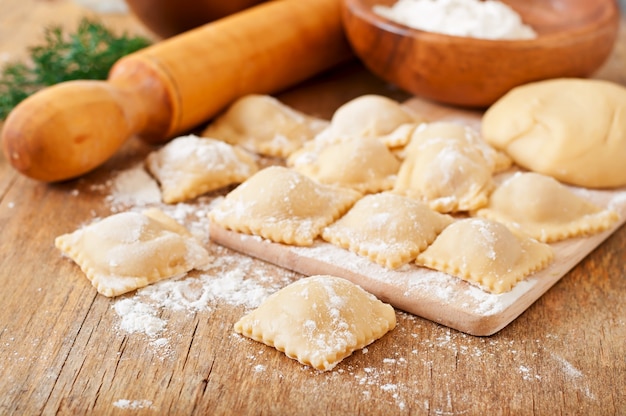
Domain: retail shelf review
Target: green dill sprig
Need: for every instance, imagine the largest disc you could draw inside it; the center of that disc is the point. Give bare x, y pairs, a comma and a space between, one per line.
89, 53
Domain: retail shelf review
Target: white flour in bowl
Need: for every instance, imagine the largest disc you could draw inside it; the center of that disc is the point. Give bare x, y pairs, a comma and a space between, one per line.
490, 19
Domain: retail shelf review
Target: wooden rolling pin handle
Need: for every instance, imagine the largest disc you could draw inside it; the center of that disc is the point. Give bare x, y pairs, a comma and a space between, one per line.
69, 129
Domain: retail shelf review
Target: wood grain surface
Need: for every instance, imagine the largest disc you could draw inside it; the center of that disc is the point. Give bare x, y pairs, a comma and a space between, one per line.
64, 348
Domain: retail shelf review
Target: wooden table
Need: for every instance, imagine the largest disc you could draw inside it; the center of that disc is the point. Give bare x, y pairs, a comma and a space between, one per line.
64, 348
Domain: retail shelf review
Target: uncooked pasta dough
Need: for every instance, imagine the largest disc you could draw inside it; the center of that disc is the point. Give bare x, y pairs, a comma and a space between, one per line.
571, 129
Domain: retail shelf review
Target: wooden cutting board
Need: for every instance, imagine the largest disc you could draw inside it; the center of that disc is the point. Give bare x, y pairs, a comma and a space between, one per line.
430, 294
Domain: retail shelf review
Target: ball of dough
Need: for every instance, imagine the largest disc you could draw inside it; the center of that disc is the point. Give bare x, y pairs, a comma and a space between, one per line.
571, 129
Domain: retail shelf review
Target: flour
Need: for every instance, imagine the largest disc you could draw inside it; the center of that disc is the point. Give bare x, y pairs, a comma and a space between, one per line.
139, 317
488, 19
232, 279
618, 201
570, 371
132, 187
235, 283
372, 377
104, 6
525, 371
132, 404
416, 281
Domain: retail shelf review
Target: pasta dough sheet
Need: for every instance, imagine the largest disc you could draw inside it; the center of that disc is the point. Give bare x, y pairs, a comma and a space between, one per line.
427, 293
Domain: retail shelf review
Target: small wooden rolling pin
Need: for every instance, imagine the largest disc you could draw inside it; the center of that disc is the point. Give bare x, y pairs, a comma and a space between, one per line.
166, 89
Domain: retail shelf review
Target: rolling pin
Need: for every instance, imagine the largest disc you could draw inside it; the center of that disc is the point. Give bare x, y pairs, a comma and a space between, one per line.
71, 128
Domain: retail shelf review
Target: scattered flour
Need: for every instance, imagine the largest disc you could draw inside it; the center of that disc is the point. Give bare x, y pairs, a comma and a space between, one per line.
132, 404
139, 317
618, 201
570, 371
574, 376
133, 187
236, 286
232, 278
525, 371
420, 283
373, 378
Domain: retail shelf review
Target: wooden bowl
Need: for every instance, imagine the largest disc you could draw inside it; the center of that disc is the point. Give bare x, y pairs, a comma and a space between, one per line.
167, 18
575, 37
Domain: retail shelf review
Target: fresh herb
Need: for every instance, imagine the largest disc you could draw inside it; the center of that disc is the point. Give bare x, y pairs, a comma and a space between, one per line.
87, 54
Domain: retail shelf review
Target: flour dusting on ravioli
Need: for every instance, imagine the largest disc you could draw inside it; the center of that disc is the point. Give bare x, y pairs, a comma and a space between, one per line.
389, 229
319, 320
189, 166
129, 250
283, 206
545, 209
264, 125
449, 175
485, 253
363, 164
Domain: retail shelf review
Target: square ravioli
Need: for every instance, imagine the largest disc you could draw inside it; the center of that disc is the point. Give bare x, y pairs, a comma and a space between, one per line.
485, 253
190, 166
497, 160
319, 320
129, 250
374, 116
363, 164
283, 206
264, 125
389, 229
545, 209
448, 174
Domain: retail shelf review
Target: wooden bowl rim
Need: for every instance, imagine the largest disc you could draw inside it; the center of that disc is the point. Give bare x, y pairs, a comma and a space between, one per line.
363, 10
